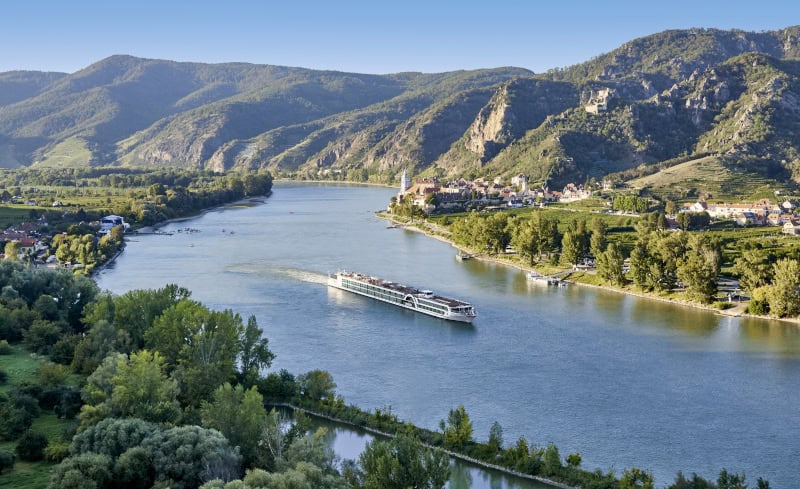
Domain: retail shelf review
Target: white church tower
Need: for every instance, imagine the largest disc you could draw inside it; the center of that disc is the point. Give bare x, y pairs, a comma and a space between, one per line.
405, 182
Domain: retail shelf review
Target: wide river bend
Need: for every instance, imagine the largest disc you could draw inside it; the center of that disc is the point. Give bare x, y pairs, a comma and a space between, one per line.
624, 381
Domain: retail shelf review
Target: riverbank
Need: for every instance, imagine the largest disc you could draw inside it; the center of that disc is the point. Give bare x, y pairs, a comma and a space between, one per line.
152, 229
333, 182
739, 310
457, 455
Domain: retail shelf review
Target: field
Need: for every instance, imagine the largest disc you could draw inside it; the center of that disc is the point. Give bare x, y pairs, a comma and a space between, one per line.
21, 366
13, 214
71, 152
707, 177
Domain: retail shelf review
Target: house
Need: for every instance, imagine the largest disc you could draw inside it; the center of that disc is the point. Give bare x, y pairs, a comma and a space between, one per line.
109, 222
751, 218
791, 229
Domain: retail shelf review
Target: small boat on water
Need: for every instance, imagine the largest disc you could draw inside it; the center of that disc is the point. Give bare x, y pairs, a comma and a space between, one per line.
461, 256
424, 301
540, 279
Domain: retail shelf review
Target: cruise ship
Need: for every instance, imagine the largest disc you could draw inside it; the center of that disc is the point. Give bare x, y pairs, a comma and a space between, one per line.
424, 301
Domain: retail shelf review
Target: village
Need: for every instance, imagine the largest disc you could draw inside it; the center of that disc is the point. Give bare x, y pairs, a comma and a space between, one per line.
33, 243
431, 197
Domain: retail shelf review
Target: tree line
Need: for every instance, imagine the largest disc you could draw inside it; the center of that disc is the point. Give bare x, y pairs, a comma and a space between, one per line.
660, 260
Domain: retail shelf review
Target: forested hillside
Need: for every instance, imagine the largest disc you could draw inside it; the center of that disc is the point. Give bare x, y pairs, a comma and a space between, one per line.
655, 101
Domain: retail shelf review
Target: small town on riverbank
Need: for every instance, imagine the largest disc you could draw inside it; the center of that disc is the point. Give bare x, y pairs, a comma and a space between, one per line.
722, 256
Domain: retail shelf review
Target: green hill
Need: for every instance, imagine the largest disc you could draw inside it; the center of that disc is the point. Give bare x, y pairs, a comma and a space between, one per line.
670, 97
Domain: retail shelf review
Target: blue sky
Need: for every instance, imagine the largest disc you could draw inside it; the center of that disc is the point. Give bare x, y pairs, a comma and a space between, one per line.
353, 35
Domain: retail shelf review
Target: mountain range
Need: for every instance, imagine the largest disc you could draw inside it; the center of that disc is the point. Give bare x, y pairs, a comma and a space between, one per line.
683, 111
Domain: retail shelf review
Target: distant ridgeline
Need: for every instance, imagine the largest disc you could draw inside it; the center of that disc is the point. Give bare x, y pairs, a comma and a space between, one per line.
731, 98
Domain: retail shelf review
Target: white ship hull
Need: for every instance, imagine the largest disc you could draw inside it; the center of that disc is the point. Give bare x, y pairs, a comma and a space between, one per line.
403, 296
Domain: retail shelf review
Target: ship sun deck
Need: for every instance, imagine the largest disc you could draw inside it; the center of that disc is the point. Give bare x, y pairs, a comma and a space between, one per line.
424, 301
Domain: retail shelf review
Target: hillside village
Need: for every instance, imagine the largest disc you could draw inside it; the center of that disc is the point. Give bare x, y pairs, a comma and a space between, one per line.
432, 196
34, 242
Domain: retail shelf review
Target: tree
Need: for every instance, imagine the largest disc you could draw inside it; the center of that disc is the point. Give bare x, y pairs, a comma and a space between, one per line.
255, 354
86, 471
400, 463
552, 460
754, 268
102, 340
141, 389
728, 480
496, 437
240, 416
699, 269
684, 220
188, 456
7, 460
199, 345
42, 335
570, 249
112, 437
12, 250
670, 208
134, 469
783, 296
134, 312
610, 265
31, 445
495, 235
634, 478
525, 240
696, 482
316, 385
274, 439
458, 430
599, 237
574, 460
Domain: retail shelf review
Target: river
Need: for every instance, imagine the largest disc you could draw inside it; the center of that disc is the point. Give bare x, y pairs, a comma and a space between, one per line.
624, 381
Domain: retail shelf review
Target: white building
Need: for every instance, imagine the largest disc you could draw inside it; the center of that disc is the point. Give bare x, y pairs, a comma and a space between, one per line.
405, 182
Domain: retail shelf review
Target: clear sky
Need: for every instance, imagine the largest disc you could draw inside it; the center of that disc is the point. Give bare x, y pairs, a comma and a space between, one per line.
352, 35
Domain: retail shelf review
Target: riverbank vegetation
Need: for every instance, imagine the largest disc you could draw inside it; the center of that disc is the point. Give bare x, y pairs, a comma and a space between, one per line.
638, 253
59, 209
142, 196
153, 389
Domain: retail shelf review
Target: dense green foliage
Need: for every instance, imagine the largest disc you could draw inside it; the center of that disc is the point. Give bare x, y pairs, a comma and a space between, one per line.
400, 463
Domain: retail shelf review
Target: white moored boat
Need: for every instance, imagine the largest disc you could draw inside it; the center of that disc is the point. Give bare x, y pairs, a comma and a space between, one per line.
424, 301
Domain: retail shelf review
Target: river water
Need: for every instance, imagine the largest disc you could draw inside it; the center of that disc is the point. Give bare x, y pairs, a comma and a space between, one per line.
622, 380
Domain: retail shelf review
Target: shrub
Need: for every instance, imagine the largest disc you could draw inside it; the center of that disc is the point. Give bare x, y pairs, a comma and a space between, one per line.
5, 348
113, 437
13, 421
134, 469
64, 349
31, 446
41, 336
7, 460
3, 376
26, 402
50, 374
56, 452
89, 470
